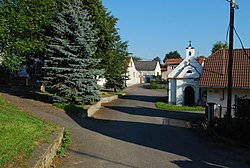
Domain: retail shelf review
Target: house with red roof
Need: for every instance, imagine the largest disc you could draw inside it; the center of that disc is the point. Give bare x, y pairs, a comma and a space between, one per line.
169, 66
214, 77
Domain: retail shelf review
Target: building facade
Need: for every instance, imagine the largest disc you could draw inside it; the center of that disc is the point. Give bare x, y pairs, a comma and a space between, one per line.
184, 81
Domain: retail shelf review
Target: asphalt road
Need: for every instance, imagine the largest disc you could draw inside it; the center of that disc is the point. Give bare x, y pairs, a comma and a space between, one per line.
131, 133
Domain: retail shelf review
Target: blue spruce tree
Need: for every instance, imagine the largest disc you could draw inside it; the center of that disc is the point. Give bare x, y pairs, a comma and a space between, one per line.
70, 66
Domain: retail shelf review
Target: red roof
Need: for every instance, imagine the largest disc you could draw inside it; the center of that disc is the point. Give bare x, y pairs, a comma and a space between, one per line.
173, 61
200, 60
215, 70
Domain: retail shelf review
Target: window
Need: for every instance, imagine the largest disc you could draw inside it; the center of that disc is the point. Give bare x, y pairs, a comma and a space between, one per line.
189, 71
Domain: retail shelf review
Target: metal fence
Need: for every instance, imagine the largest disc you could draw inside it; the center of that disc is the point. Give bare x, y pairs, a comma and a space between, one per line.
242, 108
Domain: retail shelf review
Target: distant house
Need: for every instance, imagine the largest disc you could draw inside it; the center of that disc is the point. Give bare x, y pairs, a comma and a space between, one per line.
184, 80
132, 74
148, 69
29, 75
169, 66
215, 75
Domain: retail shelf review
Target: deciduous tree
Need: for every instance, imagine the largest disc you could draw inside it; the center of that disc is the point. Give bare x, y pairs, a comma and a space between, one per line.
219, 45
172, 54
23, 25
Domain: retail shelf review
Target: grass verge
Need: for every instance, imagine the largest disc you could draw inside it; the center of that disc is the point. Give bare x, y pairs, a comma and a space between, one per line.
108, 93
161, 104
71, 108
19, 134
66, 141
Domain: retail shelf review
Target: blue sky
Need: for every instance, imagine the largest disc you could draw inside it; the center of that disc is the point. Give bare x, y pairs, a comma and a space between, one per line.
156, 27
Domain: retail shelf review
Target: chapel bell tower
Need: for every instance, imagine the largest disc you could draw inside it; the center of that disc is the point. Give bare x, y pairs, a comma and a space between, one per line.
190, 51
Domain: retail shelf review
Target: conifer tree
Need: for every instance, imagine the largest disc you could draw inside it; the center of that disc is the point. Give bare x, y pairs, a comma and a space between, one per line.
70, 65
109, 45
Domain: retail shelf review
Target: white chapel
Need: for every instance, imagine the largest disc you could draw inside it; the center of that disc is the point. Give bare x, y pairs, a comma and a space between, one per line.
184, 80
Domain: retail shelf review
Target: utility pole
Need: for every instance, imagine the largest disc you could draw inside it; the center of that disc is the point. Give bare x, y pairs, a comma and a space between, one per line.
230, 60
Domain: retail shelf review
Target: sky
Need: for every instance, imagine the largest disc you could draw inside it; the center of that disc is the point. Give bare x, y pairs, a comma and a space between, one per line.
156, 27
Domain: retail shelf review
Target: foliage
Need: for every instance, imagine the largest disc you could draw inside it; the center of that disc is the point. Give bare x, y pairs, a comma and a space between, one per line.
23, 26
158, 83
219, 45
135, 58
71, 108
108, 93
19, 134
157, 59
71, 68
66, 141
115, 72
172, 54
110, 48
161, 103
201, 56
154, 85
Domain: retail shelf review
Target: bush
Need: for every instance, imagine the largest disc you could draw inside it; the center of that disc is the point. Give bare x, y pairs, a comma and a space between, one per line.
154, 85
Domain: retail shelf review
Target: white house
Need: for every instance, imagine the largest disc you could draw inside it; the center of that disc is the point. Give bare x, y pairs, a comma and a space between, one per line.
148, 69
184, 80
132, 73
215, 75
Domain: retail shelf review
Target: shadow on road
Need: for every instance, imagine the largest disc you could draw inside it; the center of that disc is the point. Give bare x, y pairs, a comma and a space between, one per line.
145, 111
141, 98
165, 137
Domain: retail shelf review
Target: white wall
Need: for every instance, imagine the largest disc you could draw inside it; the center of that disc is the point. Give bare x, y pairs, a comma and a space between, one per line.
101, 81
164, 74
158, 69
133, 74
172, 91
181, 85
217, 96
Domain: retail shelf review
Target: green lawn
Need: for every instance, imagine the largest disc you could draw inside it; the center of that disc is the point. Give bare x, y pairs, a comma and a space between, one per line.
107, 93
19, 134
71, 108
161, 104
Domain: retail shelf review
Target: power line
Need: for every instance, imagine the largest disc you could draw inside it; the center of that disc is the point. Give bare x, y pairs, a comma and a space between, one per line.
242, 46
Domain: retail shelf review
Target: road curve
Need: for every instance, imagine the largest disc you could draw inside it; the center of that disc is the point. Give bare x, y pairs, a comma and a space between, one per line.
131, 133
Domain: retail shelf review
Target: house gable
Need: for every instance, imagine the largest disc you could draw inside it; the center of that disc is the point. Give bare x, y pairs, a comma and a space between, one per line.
132, 73
187, 64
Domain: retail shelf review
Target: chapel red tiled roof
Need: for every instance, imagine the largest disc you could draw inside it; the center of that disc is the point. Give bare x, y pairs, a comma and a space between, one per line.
215, 70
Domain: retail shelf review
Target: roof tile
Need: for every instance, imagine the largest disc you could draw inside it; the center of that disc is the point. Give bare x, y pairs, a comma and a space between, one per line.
215, 70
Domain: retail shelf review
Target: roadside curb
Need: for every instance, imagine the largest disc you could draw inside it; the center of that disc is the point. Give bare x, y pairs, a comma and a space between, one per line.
91, 110
42, 157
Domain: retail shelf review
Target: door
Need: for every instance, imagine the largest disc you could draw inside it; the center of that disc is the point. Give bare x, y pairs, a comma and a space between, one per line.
189, 96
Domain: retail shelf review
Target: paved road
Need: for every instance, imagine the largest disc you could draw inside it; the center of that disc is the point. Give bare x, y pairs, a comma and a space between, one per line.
132, 133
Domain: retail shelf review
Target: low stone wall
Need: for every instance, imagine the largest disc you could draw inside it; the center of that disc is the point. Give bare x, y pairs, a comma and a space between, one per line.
42, 157
95, 107
109, 99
